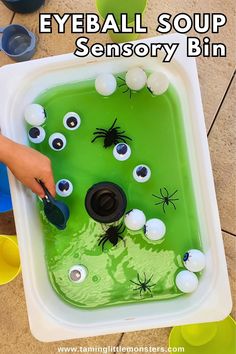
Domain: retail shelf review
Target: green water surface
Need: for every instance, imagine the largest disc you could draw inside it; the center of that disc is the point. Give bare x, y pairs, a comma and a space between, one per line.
155, 124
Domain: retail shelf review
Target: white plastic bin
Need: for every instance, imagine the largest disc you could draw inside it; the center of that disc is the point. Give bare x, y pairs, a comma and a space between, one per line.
50, 318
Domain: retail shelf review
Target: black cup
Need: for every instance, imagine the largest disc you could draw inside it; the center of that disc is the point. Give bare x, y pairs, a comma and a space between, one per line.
105, 202
23, 6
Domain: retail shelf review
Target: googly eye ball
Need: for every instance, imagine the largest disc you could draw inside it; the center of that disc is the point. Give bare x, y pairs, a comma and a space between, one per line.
194, 260
136, 79
71, 121
36, 135
122, 152
135, 219
158, 83
105, 84
35, 114
78, 273
141, 173
154, 229
64, 188
57, 141
186, 281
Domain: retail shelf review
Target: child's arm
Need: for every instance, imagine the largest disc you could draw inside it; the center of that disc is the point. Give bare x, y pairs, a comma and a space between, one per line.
27, 164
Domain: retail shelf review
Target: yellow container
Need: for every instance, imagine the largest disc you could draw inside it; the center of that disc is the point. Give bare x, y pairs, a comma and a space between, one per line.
9, 259
205, 338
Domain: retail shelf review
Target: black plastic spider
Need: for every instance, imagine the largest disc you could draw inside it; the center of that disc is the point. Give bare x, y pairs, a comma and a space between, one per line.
112, 234
150, 91
112, 136
127, 89
144, 285
166, 199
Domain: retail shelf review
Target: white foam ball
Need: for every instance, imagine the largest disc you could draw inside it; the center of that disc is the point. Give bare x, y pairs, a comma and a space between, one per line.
135, 219
154, 229
136, 79
194, 260
105, 84
186, 281
35, 114
158, 83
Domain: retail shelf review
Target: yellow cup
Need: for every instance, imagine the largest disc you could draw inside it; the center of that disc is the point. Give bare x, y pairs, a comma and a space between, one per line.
9, 259
205, 338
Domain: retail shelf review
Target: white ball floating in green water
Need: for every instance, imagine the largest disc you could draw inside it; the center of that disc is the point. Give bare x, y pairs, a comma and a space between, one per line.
136, 79
78, 273
35, 114
194, 260
71, 121
36, 135
121, 152
135, 219
142, 173
186, 281
154, 229
57, 141
158, 83
64, 187
105, 84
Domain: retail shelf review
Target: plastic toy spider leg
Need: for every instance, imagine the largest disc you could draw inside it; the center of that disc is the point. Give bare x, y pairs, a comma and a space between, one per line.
122, 84
103, 238
163, 207
173, 193
167, 193
99, 133
148, 281
96, 137
159, 203
172, 204
156, 196
121, 78
113, 124
124, 136
121, 238
134, 282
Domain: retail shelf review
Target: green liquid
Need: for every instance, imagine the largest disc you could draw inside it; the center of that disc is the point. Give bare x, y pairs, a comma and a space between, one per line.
156, 127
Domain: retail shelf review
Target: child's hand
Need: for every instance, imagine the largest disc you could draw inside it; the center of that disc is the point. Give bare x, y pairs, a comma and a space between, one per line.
27, 165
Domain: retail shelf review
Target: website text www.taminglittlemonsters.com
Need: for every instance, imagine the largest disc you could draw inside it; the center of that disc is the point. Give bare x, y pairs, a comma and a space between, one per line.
121, 349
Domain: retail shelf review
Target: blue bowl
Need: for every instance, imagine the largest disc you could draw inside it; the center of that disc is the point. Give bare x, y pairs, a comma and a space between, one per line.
5, 195
23, 6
